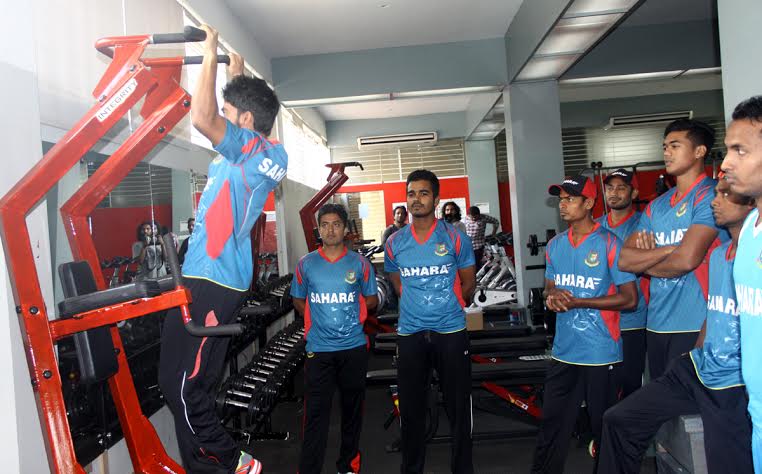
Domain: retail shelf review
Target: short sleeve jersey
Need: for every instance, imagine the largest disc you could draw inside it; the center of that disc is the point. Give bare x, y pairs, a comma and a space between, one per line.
679, 304
635, 318
335, 294
718, 362
431, 297
239, 179
747, 274
589, 269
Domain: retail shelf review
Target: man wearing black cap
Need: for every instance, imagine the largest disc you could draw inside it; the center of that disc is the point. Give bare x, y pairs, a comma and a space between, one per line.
620, 188
676, 232
581, 282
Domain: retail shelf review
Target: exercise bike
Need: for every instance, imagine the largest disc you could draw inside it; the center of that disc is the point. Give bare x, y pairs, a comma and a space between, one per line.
496, 280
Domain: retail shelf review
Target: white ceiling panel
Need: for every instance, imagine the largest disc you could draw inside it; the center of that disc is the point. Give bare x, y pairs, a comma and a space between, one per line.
395, 108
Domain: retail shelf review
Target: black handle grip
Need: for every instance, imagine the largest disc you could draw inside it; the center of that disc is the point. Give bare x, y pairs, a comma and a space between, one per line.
212, 331
353, 163
189, 34
170, 253
260, 310
221, 58
190, 326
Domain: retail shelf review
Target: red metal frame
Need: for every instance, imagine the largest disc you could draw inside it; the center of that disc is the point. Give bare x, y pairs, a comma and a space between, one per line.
127, 79
336, 179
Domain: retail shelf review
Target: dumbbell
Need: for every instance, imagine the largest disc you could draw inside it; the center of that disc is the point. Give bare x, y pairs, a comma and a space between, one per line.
256, 405
534, 245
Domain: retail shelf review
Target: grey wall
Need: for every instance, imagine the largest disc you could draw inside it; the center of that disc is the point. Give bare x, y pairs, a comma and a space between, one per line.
345, 132
739, 43
596, 113
482, 175
535, 161
649, 48
292, 196
182, 199
410, 68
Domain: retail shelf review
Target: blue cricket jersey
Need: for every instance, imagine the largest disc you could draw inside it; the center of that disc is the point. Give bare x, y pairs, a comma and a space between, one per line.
589, 269
238, 182
718, 362
431, 297
335, 294
679, 304
747, 274
636, 318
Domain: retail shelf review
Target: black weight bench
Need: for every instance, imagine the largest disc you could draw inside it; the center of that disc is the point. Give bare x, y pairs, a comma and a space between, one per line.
95, 348
512, 331
515, 372
507, 345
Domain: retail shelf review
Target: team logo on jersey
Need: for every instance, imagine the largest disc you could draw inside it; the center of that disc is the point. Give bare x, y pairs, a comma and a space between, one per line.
350, 277
441, 250
310, 355
592, 259
681, 210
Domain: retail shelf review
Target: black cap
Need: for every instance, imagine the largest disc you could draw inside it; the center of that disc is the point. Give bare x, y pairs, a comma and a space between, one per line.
625, 175
576, 186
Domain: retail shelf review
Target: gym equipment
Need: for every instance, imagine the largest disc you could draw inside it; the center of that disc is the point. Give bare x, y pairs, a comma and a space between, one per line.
336, 178
257, 387
128, 79
496, 280
534, 245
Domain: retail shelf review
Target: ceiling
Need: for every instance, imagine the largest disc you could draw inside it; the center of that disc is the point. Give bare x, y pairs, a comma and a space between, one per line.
293, 27
659, 12
396, 108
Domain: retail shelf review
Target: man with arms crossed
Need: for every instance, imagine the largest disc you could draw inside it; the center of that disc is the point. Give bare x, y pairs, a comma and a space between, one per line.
584, 286
677, 230
620, 189
743, 171
218, 266
706, 381
431, 265
333, 288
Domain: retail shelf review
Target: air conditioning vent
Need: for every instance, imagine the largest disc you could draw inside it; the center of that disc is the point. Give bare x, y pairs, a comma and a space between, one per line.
399, 140
647, 119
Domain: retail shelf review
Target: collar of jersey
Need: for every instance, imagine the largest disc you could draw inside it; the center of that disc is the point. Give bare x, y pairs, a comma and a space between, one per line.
322, 254
672, 201
425, 239
626, 218
571, 238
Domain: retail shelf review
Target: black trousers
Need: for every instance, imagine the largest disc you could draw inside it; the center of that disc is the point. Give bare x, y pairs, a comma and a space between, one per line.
190, 369
629, 426
478, 257
566, 386
634, 363
665, 347
449, 354
323, 373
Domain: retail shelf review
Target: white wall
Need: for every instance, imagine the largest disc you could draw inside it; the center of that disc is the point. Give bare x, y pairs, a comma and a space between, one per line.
20, 135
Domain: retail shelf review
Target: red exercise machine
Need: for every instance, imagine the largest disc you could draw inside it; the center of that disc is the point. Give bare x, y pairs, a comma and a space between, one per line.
127, 80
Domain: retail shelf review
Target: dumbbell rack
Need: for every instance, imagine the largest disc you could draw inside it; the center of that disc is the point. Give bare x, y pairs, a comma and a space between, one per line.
254, 391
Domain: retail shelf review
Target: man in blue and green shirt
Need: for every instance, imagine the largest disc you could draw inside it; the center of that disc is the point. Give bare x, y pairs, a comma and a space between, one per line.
586, 289
706, 381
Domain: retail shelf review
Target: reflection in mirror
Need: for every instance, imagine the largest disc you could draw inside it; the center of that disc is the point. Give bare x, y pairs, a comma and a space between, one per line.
127, 225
